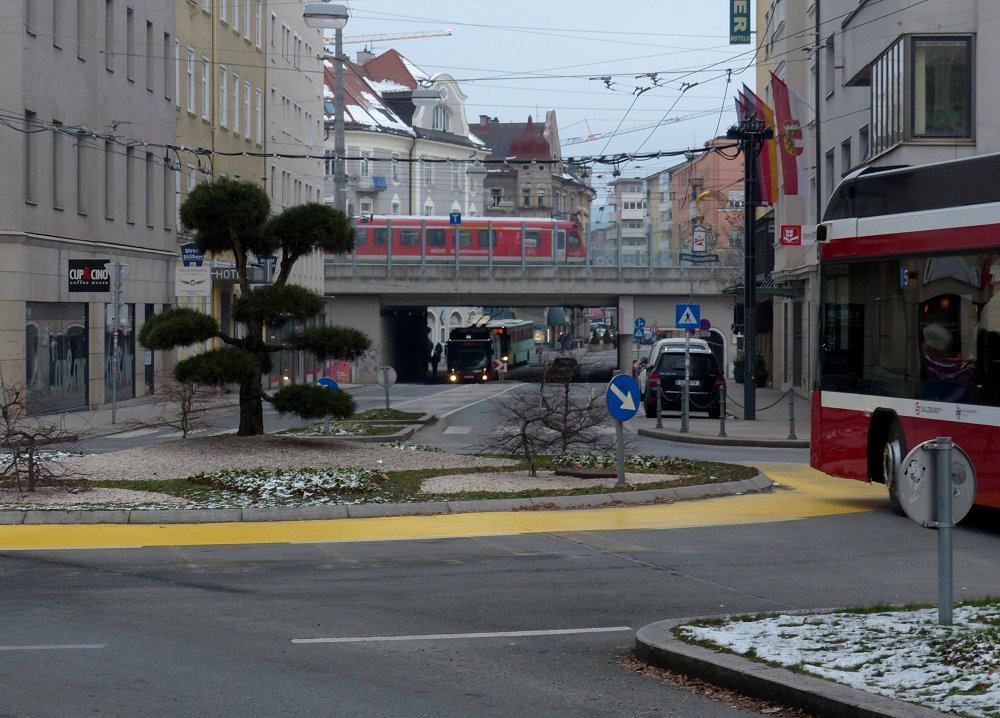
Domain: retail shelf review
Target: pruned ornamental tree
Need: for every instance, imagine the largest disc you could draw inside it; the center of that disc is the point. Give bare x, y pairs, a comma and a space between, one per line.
233, 218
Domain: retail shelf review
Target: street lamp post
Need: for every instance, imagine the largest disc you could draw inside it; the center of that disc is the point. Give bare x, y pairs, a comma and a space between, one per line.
328, 15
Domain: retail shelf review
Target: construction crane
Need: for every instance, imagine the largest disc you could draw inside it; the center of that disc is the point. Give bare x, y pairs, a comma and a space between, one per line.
358, 39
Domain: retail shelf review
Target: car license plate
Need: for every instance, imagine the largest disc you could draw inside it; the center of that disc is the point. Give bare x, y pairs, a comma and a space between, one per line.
689, 382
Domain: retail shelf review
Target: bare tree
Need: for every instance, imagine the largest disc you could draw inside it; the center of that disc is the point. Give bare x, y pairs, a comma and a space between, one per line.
553, 415
21, 465
183, 405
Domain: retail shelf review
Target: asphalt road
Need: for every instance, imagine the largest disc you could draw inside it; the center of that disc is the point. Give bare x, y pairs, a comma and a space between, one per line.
520, 625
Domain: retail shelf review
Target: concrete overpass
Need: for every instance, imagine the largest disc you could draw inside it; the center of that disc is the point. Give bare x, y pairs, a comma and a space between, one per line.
389, 301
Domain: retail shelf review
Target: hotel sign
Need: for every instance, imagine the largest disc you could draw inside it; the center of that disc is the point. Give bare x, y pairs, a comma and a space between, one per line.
739, 22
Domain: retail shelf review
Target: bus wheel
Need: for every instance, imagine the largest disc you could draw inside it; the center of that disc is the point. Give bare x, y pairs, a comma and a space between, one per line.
892, 464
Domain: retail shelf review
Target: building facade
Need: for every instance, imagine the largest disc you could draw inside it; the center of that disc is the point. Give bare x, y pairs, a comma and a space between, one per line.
91, 186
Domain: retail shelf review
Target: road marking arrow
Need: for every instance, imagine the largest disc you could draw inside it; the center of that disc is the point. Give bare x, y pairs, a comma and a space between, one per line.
628, 403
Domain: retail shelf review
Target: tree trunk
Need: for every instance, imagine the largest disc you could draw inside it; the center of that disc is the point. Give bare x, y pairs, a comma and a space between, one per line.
251, 409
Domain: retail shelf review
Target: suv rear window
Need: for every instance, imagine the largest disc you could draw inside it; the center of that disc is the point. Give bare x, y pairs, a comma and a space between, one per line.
673, 362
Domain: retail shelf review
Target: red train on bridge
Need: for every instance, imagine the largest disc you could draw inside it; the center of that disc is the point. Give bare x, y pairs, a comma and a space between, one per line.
478, 239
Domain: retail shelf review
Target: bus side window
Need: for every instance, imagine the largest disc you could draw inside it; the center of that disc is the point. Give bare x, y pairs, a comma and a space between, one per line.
435, 237
381, 236
360, 236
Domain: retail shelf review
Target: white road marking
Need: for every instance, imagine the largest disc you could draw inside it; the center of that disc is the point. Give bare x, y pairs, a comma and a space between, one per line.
451, 636
458, 430
54, 647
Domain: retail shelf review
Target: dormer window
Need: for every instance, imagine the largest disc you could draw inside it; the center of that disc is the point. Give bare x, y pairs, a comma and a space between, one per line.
439, 120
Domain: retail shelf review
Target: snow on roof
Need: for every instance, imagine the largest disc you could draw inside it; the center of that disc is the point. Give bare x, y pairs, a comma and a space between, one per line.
414, 71
381, 86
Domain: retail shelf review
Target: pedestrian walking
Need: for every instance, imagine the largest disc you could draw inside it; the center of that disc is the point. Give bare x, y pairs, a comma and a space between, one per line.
435, 360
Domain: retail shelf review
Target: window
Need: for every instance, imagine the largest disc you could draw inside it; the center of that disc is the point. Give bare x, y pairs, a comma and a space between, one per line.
409, 237
150, 55
541, 196
206, 88
258, 117
328, 162
109, 180
394, 207
496, 195
464, 237
366, 206
486, 238
246, 19
130, 44
942, 87
428, 171
439, 118
532, 238
863, 147
236, 103
80, 23
395, 168
526, 196
845, 157
150, 186
456, 177
30, 158
381, 236
130, 185
223, 97
247, 117
82, 178
223, 10
190, 80
109, 34
170, 68
258, 19
435, 237
829, 63
366, 164
57, 169
169, 181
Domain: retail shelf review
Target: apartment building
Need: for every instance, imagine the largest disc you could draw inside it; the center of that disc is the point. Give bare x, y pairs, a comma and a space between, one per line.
89, 91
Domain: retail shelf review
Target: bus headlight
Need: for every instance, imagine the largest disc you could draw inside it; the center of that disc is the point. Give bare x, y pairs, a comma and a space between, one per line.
453, 377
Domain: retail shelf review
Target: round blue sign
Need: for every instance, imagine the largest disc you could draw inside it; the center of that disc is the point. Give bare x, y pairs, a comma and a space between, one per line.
328, 383
623, 397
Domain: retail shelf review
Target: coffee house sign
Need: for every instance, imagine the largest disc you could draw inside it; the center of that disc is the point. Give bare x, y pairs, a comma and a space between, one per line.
89, 275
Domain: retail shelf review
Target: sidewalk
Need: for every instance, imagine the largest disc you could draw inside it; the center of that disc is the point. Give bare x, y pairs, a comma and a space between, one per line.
781, 420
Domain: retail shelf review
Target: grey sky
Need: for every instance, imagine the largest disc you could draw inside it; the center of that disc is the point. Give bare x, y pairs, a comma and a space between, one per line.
523, 57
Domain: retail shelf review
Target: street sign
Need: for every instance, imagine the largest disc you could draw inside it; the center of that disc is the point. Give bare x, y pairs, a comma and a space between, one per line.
623, 397
385, 376
688, 316
328, 383
916, 489
455, 218
640, 328
499, 365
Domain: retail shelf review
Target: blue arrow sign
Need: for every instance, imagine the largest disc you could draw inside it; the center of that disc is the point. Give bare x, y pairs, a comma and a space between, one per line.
688, 316
623, 397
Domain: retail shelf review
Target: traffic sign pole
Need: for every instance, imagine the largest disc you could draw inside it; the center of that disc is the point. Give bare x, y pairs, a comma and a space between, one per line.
622, 404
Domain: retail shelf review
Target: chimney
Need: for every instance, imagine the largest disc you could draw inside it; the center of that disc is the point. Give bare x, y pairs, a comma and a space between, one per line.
484, 120
365, 56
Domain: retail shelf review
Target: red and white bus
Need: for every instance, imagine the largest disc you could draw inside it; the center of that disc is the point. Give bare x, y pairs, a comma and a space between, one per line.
909, 320
479, 239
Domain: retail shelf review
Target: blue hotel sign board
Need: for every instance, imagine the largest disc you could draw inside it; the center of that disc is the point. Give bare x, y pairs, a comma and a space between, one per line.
739, 22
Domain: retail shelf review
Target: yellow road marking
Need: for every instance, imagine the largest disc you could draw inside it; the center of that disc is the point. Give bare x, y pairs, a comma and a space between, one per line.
806, 493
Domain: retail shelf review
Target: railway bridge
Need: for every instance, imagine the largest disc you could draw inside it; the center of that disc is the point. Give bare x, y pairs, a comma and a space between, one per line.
389, 300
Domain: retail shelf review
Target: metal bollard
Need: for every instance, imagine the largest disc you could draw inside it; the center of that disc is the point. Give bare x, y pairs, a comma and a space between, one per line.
722, 409
659, 404
791, 414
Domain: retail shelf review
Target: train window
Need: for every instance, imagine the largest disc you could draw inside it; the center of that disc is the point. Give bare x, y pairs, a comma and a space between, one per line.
464, 237
560, 239
486, 238
360, 236
532, 237
409, 238
435, 237
381, 236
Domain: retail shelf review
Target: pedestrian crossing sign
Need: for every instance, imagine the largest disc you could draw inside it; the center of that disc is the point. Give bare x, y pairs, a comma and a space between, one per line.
688, 316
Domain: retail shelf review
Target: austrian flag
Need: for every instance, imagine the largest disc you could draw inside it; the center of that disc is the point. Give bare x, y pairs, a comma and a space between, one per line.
792, 137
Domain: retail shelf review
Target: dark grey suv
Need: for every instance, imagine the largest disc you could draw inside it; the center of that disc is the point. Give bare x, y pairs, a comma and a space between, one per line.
706, 380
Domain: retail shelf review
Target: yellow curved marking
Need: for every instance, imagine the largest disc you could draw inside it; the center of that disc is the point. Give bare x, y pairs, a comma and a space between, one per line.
806, 493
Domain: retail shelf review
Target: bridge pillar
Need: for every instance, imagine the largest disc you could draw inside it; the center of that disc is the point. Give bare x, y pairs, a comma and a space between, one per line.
626, 323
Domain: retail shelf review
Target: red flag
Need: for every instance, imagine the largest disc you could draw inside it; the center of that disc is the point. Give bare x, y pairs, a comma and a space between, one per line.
768, 175
791, 139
